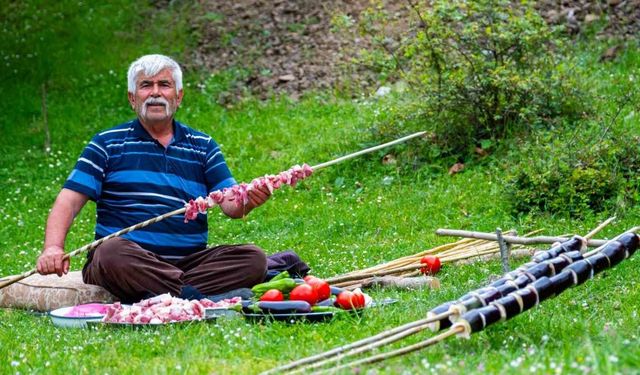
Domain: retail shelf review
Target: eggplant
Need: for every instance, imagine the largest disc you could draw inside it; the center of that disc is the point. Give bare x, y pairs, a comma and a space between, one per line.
630, 241
442, 323
335, 290
283, 307
326, 302
249, 307
615, 251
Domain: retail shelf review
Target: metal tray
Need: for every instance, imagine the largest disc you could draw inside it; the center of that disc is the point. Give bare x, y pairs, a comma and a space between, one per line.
314, 316
292, 317
148, 325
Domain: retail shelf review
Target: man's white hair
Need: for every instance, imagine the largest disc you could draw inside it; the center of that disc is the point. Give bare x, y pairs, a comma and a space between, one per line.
151, 65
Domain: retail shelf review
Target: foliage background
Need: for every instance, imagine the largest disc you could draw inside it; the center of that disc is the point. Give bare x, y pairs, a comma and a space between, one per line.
354, 215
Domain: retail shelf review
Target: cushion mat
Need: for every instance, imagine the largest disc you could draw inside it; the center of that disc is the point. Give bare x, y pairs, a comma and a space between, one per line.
45, 293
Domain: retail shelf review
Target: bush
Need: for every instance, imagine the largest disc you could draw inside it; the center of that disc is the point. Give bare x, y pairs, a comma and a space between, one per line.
576, 175
482, 70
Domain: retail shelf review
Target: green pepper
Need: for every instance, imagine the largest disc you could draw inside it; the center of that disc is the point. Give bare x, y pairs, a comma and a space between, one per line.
317, 308
284, 285
280, 276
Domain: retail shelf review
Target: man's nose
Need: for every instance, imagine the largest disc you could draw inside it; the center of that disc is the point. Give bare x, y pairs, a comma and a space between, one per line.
156, 90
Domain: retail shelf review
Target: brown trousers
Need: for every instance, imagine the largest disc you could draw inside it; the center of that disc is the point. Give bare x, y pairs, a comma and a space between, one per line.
132, 273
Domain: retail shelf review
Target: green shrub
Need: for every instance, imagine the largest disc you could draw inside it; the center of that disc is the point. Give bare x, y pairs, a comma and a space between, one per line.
481, 70
576, 175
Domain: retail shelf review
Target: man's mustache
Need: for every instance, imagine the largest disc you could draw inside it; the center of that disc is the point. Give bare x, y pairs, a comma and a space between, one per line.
156, 101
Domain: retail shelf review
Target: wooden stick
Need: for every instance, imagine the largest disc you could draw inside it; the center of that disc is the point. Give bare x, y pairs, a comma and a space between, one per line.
412, 263
504, 251
597, 229
344, 348
463, 249
511, 239
468, 256
364, 348
515, 254
407, 260
407, 349
404, 260
94, 244
10, 280
594, 251
412, 281
368, 150
375, 341
487, 246
342, 279
435, 339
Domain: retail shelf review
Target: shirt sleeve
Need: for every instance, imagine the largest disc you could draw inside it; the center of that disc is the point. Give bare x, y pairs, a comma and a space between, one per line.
217, 173
89, 172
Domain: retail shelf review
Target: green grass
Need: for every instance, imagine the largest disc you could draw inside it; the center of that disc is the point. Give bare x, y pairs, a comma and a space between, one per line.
346, 217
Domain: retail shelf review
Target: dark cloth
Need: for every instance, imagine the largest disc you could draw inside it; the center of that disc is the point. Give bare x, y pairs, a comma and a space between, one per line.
286, 261
132, 273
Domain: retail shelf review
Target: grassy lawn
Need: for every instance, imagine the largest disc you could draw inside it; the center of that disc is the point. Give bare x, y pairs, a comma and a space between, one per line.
346, 217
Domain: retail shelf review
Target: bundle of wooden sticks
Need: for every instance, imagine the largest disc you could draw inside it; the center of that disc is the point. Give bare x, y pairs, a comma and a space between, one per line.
478, 247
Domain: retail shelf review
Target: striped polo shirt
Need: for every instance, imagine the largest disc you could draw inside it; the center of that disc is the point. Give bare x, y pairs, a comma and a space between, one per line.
132, 178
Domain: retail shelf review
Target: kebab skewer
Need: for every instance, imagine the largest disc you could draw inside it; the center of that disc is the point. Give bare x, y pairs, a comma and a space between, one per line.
543, 264
516, 302
237, 193
466, 248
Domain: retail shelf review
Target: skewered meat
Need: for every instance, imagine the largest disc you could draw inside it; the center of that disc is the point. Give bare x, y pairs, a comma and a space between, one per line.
239, 193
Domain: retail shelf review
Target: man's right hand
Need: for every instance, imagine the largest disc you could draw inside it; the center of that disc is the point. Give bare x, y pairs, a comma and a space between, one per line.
50, 261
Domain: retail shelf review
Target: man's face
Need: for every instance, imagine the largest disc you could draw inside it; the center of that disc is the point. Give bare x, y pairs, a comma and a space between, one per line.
155, 99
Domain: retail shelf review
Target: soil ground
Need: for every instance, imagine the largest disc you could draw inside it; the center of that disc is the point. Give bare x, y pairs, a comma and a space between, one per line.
293, 46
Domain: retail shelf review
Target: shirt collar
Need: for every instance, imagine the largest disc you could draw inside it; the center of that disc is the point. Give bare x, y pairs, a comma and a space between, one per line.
178, 131
140, 132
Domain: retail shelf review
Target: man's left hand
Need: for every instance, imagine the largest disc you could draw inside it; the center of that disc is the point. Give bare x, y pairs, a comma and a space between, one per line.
258, 196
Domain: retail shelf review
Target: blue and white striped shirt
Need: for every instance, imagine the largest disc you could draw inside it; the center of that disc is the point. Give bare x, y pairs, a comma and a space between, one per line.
133, 178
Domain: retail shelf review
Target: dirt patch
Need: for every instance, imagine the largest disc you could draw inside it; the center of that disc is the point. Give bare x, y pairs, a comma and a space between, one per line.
292, 47
621, 18
287, 46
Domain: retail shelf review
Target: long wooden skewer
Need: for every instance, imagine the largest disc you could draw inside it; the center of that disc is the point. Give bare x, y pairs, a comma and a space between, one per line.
382, 338
423, 344
372, 344
420, 345
511, 239
354, 345
368, 150
460, 250
10, 280
405, 350
597, 229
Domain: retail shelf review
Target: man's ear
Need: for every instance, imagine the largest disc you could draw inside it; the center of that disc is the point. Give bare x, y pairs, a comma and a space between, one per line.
132, 100
179, 97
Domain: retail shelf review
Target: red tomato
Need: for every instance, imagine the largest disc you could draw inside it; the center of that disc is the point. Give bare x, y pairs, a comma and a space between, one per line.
359, 298
348, 300
432, 265
322, 288
272, 295
309, 278
304, 292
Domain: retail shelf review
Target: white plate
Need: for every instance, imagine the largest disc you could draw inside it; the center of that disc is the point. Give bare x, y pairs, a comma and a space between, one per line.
59, 319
